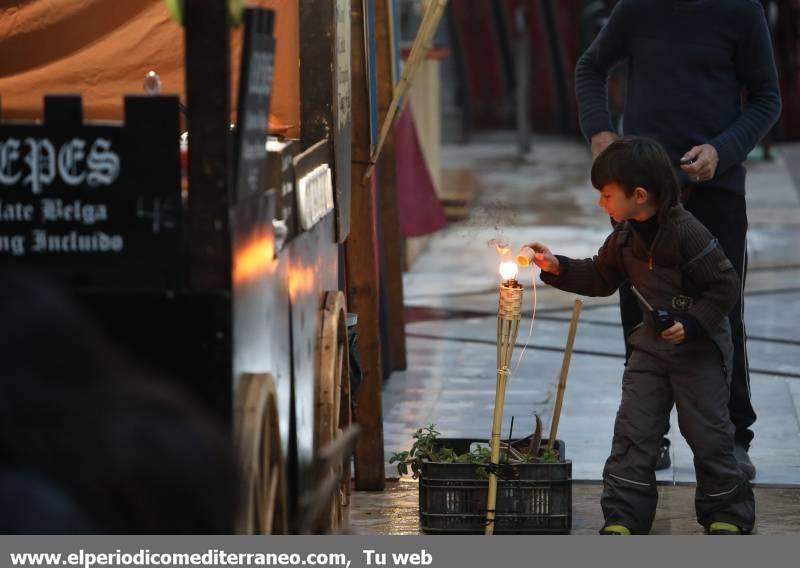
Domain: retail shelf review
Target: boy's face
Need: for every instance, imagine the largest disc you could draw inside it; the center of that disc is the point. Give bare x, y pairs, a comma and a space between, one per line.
621, 207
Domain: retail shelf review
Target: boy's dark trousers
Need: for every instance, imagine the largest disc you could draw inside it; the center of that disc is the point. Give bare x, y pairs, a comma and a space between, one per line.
693, 375
724, 214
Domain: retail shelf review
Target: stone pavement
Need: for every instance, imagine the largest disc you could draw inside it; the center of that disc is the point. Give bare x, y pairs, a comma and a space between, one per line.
451, 298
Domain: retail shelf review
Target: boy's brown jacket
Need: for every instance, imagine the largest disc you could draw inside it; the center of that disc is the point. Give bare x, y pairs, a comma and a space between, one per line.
682, 245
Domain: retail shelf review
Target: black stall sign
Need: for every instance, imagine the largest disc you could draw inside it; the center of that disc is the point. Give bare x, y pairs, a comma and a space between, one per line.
45, 207
92, 205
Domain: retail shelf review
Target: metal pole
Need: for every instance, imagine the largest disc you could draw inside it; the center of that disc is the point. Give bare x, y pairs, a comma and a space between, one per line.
522, 80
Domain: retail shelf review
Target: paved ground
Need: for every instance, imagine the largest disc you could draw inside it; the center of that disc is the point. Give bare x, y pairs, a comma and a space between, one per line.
451, 297
395, 511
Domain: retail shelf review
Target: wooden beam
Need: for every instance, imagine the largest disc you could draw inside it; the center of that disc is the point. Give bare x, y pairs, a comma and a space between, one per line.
210, 156
362, 285
392, 269
325, 92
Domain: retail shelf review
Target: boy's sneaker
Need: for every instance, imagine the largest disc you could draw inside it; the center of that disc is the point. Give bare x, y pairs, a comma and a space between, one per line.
721, 528
663, 460
615, 530
743, 459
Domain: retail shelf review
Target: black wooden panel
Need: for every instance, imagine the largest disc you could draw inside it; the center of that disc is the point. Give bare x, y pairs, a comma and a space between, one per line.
255, 88
313, 264
183, 335
261, 335
210, 147
63, 111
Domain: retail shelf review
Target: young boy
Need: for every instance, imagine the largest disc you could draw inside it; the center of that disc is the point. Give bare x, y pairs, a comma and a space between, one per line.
676, 264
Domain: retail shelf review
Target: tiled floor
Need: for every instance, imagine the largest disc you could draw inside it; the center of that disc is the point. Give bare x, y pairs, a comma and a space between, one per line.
395, 511
451, 294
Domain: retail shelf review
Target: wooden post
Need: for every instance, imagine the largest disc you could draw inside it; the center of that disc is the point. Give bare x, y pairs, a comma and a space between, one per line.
392, 274
325, 92
360, 260
210, 156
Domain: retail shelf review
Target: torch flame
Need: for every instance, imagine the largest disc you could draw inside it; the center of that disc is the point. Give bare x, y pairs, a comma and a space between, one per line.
501, 248
508, 270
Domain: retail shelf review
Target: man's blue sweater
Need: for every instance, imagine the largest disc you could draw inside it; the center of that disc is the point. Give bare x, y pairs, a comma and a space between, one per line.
689, 62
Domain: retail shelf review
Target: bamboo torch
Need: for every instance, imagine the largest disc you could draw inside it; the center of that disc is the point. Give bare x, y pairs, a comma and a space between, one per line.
562, 380
508, 315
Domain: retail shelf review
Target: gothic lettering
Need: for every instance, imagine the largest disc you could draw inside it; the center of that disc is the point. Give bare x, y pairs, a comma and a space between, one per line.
9, 153
15, 212
44, 242
12, 244
41, 163
74, 211
41, 160
69, 160
103, 163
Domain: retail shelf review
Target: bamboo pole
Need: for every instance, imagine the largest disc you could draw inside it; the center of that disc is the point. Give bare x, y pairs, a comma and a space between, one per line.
508, 315
430, 21
562, 380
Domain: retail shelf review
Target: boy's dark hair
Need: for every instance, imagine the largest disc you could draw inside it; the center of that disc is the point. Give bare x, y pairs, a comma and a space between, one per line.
638, 162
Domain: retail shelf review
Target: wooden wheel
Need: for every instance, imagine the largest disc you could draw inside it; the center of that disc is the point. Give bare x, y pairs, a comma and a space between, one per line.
259, 443
333, 399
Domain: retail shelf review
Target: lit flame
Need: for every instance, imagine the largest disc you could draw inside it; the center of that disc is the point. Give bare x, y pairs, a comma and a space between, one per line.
508, 270
501, 248
254, 259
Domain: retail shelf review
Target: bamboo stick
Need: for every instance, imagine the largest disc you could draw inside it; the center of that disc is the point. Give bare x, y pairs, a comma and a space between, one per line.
562, 380
508, 316
419, 50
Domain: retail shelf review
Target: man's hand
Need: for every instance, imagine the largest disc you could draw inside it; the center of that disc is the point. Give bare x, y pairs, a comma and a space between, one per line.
600, 142
675, 334
544, 259
700, 163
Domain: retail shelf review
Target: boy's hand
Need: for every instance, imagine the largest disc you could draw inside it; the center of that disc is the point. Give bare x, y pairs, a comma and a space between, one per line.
675, 334
544, 259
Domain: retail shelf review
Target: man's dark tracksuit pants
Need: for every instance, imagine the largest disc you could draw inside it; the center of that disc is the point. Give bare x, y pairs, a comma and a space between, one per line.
724, 214
693, 375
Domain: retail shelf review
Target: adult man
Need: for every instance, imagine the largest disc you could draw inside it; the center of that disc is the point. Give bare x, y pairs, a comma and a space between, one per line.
701, 80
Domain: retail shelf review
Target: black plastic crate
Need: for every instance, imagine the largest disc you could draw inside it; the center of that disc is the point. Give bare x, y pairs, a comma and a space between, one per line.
538, 500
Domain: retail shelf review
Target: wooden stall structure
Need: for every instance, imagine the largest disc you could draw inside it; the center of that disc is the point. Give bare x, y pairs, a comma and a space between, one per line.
231, 287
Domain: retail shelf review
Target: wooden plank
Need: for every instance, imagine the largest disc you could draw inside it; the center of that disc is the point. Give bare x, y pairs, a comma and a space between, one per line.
210, 161
325, 92
392, 269
362, 286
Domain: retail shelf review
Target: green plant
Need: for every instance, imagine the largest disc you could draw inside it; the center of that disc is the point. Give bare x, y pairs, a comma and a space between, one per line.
424, 449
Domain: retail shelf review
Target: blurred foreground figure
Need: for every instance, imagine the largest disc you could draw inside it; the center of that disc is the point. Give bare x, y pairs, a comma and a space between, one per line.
94, 443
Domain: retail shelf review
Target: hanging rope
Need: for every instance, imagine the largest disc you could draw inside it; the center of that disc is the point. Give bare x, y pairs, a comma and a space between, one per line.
530, 330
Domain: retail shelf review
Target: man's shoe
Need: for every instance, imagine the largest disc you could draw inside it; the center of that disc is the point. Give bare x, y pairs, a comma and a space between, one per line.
721, 528
615, 530
663, 460
743, 459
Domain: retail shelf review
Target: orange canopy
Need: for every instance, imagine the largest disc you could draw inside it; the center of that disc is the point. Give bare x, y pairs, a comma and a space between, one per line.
102, 50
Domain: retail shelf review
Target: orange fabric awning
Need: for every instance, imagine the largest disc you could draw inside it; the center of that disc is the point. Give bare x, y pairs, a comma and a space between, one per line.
102, 50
